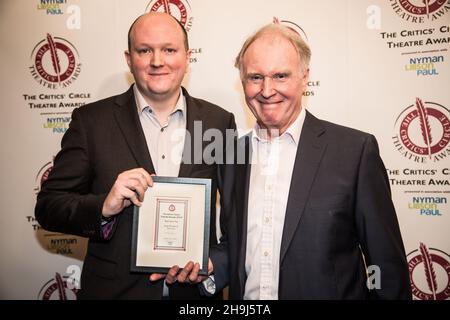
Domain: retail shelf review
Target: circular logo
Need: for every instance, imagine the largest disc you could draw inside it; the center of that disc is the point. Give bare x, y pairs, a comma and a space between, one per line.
429, 271
293, 26
423, 129
420, 11
179, 9
421, 7
55, 63
171, 207
58, 289
42, 175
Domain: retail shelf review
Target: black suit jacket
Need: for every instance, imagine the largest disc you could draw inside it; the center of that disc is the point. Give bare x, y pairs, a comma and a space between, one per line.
104, 139
339, 212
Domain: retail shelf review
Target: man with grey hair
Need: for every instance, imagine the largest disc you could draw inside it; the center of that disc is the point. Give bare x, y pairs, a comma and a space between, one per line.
312, 215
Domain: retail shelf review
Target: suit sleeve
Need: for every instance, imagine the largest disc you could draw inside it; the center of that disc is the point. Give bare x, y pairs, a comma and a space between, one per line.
225, 174
377, 226
65, 202
219, 252
219, 255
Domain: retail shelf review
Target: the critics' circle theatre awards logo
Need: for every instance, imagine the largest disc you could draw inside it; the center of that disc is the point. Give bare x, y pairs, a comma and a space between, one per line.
181, 10
291, 25
58, 289
422, 132
429, 270
420, 11
55, 63
42, 176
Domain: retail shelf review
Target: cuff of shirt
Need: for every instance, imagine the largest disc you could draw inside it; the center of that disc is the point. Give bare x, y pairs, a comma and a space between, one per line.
208, 286
107, 227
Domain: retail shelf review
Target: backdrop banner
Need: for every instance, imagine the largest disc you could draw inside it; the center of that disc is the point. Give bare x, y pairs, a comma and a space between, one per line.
377, 66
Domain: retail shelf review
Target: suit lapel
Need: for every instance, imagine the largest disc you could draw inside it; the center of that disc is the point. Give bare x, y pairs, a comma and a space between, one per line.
192, 144
311, 148
128, 120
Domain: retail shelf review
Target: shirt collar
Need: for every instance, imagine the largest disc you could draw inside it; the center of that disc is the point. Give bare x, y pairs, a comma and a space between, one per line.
142, 104
293, 131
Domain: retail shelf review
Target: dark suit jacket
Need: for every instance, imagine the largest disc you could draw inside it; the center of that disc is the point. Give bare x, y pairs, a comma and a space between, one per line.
339, 210
104, 139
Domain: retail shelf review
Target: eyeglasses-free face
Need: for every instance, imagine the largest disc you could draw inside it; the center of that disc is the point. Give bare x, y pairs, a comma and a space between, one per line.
273, 81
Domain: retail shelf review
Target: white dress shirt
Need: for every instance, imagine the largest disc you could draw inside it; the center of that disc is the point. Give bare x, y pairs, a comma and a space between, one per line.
272, 163
165, 142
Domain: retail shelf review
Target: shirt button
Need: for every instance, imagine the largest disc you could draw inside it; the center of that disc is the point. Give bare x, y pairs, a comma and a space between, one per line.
266, 220
266, 253
163, 156
162, 129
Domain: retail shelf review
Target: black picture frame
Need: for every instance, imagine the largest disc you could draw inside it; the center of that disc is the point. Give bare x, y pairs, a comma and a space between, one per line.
138, 231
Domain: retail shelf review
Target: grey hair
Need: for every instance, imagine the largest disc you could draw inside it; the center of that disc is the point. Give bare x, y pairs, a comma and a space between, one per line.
303, 50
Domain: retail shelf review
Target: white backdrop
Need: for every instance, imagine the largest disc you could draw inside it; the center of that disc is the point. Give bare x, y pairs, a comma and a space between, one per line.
375, 64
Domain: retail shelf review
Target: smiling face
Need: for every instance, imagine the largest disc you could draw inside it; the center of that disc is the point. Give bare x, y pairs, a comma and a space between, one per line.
273, 82
158, 58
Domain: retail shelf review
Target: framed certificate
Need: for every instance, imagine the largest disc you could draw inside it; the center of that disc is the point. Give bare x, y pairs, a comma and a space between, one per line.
172, 225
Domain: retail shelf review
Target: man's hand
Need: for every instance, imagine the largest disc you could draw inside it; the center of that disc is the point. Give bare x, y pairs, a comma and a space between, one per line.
189, 274
129, 187
171, 275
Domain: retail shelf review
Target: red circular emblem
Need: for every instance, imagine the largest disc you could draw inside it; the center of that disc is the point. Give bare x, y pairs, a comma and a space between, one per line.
55, 62
57, 289
176, 8
429, 271
293, 26
421, 7
424, 128
45, 175
53, 53
42, 175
